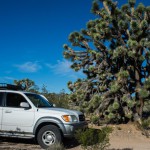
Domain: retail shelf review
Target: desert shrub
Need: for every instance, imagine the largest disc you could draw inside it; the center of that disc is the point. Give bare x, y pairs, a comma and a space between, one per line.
94, 139
56, 146
146, 123
145, 127
95, 119
146, 109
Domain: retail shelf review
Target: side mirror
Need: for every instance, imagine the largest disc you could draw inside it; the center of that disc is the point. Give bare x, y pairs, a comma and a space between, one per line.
24, 105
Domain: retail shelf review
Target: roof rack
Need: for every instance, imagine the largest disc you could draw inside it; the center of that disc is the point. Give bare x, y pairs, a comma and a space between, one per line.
5, 86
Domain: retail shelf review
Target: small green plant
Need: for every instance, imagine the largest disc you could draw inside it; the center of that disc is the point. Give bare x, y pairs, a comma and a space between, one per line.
95, 119
94, 139
145, 127
146, 123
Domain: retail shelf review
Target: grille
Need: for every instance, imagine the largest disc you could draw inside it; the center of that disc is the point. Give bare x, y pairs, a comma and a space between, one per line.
81, 118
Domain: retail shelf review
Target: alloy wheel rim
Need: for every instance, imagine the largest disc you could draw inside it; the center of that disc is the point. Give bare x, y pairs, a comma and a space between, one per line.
48, 138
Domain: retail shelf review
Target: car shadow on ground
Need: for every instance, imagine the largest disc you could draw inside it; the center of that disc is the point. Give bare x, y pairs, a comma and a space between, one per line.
30, 144
27, 144
16, 140
70, 143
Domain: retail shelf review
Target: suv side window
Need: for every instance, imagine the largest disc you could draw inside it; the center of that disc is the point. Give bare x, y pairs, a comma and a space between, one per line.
14, 100
1, 98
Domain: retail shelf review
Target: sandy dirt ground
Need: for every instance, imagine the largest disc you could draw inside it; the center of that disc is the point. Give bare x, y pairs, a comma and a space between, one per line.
123, 137
128, 137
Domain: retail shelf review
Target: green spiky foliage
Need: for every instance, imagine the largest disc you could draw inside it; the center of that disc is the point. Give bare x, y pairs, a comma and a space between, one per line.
28, 84
114, 54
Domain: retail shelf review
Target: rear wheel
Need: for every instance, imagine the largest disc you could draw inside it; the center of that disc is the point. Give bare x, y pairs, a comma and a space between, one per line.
48, 135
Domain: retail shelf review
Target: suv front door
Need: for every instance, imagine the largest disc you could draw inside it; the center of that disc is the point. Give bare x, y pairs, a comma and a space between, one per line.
16, 118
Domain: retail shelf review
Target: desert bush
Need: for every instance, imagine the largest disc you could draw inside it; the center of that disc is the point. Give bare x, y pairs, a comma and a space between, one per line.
146, 109
145, 127
95, 120
94, 139
146, 123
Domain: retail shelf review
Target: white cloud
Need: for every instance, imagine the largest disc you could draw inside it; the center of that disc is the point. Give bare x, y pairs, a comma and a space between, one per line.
6, 79
9, 78
63, 68
29, 67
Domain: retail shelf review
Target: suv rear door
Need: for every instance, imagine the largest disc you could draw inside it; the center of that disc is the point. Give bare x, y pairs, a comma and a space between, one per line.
16, 118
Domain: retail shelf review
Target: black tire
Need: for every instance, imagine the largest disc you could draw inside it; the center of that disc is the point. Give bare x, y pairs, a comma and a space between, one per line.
48, 135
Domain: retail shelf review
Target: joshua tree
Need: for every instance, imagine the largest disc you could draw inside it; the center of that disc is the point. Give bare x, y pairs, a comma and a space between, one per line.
114, 54
28, 84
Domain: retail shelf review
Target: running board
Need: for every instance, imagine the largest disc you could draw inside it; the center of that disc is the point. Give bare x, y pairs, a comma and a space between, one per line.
24, 136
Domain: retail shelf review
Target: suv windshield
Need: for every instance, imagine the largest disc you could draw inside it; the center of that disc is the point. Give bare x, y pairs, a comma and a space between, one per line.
38, 100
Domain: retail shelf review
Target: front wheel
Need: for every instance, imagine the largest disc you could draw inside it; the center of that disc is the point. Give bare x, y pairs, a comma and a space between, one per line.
48, 135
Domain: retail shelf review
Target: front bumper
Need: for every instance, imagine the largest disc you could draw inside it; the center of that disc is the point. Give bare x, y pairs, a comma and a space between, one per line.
71, 128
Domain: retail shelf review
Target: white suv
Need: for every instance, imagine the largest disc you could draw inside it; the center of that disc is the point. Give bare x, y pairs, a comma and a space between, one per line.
30, 115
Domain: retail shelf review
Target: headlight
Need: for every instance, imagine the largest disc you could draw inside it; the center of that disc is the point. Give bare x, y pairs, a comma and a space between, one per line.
74, 118
70, 118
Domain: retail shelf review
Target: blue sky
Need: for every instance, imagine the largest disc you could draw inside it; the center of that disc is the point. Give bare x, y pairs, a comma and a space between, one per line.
32, 33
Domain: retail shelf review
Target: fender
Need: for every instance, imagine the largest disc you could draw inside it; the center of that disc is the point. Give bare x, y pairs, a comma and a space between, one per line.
48, 119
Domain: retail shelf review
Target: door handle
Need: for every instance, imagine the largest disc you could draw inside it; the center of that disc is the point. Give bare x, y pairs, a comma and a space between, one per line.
8, 111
